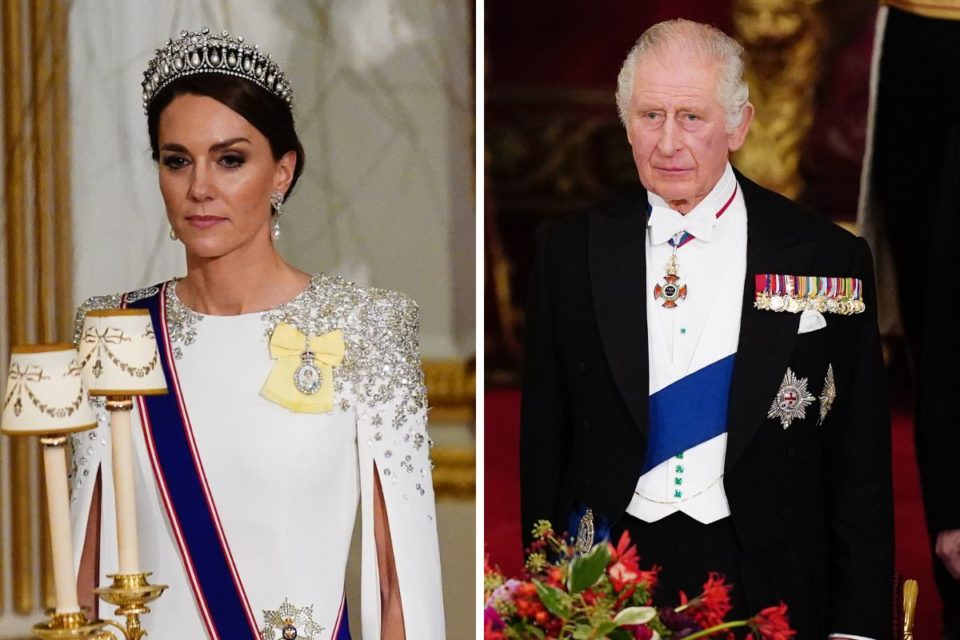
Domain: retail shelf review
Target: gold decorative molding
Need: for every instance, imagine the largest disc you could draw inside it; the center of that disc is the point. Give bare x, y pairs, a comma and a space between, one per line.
497, 276
451, 390
942, 9
455, 474
784, 40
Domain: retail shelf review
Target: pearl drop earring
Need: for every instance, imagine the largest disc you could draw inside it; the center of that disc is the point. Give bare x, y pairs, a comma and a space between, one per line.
276, 203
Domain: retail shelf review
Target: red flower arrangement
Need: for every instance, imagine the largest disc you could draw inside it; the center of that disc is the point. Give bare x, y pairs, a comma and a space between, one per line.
605, 594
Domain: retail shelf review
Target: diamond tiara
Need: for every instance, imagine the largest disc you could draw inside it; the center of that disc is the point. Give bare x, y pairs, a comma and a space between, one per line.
202, 52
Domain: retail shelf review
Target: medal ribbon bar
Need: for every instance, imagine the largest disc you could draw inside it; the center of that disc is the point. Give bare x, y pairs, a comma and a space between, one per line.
783, 293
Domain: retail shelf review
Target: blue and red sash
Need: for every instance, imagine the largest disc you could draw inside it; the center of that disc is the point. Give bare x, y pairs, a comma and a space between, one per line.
189, 504
191, 510
341, 630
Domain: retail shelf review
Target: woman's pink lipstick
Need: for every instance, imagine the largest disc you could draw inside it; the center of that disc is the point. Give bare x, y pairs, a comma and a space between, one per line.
204, 222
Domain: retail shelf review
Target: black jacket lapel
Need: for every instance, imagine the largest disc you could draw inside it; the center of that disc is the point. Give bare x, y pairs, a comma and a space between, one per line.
617, 258
766, 338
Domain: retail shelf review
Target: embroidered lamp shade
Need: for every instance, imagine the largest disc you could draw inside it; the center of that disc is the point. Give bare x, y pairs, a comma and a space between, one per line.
118, 353
44, 393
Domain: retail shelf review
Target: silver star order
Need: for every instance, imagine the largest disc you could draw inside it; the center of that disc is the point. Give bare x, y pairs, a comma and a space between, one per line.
792, 400
278, 623
828, 395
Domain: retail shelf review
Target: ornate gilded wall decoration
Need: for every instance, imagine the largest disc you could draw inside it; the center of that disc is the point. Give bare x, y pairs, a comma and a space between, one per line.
549, 153
784, 41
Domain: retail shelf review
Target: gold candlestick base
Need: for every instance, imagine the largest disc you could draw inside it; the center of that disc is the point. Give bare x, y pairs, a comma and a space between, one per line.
130, 592
64, 626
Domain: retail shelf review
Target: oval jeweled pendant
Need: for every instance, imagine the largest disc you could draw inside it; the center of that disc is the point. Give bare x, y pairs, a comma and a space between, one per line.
307, 378
585, 533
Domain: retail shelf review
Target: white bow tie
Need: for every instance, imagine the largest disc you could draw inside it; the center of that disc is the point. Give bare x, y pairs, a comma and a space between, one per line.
666, 223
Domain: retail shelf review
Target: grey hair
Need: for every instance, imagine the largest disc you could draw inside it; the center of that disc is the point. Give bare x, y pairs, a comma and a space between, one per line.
703, 40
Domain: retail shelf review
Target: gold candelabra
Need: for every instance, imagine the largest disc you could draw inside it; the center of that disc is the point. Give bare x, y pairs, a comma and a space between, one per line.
71, 625
46, 397
130, 593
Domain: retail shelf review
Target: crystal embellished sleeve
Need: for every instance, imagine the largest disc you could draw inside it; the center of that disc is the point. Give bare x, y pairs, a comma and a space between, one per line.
393, 398
393, 442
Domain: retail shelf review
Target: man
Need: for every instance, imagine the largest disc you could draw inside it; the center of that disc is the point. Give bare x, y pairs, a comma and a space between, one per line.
916, 61
703, 367
938, 438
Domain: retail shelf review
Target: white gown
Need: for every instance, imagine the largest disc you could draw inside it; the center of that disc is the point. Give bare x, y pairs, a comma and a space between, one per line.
286, 485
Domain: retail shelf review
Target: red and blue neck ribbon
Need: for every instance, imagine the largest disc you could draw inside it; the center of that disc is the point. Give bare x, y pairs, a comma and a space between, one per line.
686, 236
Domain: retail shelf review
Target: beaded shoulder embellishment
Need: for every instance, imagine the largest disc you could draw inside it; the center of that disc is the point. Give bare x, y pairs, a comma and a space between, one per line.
381, 334
181, 321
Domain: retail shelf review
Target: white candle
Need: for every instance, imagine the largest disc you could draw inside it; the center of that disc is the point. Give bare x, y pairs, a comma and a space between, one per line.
58, 510
123, 490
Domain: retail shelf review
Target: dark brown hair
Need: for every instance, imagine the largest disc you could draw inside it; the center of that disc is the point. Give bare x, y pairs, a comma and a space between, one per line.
268, 113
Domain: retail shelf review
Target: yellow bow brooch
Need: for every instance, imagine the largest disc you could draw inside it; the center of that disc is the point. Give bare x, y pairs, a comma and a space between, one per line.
302, 376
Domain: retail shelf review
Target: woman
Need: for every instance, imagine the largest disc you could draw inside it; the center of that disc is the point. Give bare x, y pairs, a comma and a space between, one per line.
301, 395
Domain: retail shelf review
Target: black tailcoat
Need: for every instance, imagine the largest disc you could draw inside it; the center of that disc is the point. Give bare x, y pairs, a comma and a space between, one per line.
937, 432
811, 505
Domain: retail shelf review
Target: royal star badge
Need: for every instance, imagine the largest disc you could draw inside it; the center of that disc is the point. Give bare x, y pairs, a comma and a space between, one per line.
828, 395
792, 400
290, 623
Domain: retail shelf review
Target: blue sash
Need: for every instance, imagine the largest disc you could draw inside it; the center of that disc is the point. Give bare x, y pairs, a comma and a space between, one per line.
689, 412
342, 629
203, 547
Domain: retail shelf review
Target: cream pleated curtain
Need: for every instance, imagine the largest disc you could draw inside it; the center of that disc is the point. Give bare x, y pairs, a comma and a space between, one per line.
36, 297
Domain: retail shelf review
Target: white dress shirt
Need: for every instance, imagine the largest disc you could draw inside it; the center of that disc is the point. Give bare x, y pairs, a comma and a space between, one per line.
700, 330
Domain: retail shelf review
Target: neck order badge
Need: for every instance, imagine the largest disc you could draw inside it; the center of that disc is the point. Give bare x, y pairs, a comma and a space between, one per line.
670, 289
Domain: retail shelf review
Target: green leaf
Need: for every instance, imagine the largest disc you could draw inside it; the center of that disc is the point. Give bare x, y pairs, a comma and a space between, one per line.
583, 632
587, 569
635, 615
525, 631
620, 634
556, 601
603, 629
